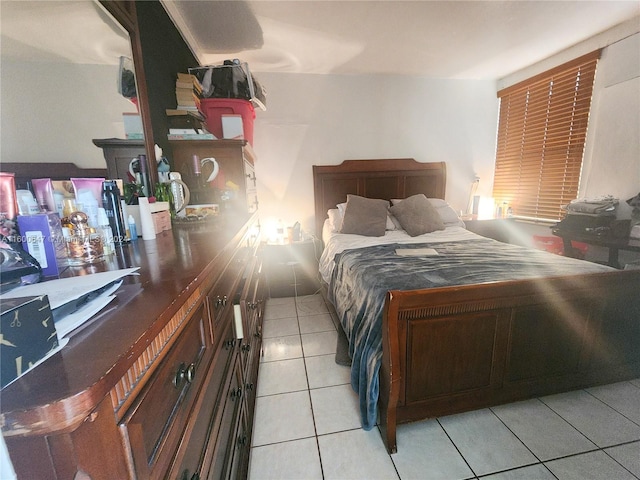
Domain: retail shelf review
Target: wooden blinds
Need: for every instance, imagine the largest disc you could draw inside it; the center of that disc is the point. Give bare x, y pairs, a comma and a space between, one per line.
541, 134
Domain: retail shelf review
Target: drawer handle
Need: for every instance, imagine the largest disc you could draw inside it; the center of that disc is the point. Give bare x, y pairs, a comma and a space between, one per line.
242, 440
184, 373
249, 386
221, 301
246, 347
230, 344
252, 305
236, 393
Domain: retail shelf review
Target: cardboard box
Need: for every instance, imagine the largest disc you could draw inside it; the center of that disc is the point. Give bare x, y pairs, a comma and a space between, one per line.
28, 334
41, 236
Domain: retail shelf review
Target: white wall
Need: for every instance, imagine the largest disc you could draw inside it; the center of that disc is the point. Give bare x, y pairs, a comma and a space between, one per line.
325, 119
51, 112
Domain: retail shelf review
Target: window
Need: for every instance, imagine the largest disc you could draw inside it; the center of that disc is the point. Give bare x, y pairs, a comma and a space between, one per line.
541, 134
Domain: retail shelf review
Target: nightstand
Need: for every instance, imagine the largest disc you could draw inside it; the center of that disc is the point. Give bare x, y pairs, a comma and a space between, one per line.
500, 229
292, 268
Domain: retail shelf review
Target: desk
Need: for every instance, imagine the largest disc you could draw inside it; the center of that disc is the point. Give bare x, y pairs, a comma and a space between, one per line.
613, 244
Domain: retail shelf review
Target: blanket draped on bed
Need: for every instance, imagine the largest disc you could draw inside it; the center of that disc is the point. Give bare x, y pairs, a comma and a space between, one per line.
362, 277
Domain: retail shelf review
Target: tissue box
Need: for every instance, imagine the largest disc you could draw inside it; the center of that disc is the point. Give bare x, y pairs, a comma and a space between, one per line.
28, 334
132, 126
41, 236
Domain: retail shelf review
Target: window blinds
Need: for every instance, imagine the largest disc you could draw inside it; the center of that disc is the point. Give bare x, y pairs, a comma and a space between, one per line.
541, 135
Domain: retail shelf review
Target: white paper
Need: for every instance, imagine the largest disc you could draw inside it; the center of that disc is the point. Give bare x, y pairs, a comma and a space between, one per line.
71, 322
63, 290
415, 252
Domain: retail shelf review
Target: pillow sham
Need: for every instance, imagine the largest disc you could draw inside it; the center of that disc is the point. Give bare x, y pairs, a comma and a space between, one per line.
391, 225
448, 215
365, 216
417, 216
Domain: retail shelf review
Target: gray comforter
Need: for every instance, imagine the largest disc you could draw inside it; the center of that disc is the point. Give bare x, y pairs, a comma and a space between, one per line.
362, 276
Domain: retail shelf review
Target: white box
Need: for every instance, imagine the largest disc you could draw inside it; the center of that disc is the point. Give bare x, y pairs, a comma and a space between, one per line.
132, 125
232, 126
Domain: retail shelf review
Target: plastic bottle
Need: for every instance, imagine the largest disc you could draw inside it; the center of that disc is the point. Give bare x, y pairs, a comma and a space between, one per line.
104, 229
133, 231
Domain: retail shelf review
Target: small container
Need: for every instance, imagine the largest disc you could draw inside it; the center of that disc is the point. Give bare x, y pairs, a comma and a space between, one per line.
133, 231
84, 244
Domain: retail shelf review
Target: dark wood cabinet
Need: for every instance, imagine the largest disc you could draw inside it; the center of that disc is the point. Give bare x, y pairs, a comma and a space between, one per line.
235, 186
118, 154
501, 229
165, 383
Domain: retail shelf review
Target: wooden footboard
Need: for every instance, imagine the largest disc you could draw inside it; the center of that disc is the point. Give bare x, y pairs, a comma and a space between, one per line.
448, 350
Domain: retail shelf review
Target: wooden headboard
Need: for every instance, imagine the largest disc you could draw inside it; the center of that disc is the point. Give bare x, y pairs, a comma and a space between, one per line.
384, 178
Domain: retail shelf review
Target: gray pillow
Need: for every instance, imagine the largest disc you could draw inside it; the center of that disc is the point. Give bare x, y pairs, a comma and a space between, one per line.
417, 215
365, 216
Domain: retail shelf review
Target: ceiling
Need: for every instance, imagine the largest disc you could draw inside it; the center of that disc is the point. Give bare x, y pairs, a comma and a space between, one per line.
438, 39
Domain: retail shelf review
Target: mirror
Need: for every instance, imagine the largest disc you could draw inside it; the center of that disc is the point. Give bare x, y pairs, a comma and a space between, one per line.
60, 73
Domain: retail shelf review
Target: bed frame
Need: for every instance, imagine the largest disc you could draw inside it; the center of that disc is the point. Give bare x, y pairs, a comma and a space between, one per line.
454, 349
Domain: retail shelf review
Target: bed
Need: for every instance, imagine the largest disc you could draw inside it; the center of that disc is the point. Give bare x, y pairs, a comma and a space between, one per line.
423, 347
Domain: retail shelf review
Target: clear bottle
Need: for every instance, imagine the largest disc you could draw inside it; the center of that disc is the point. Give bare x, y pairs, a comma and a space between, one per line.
105, 231
84, 245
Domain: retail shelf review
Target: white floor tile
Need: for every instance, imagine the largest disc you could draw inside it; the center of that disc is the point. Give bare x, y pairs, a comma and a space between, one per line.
280, 301
281, 348
588, 466
600, 423
636, 382
323, 371
485, 443
316, 323
280, 327
280, 309
282, 376
319, 343
292, 460
355, 455
335, 409
283, 417
628, 455
425, 452
545, 433
311, 305
623, 397
532, 472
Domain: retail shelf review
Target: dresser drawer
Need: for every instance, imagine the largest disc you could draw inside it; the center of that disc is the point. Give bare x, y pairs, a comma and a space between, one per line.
154, 424
203, 422
220, 297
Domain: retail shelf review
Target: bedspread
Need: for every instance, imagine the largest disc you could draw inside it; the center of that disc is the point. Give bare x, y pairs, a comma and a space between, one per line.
361, 277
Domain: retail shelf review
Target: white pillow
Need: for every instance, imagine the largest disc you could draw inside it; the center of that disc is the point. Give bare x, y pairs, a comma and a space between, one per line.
391, 225
335, 219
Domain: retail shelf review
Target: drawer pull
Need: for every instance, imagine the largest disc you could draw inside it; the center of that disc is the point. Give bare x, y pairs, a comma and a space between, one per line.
252, 305
246, 347
184, 373
230, 344
221, 301
236, 393
249, 386
243, 440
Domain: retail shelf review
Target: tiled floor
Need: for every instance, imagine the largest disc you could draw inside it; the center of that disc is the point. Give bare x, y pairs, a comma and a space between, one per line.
307, 423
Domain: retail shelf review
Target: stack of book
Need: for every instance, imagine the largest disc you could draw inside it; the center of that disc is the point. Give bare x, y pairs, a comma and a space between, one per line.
186, 122
188, 92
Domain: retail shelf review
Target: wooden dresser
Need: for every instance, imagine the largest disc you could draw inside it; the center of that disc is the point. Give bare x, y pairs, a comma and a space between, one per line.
161, 383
